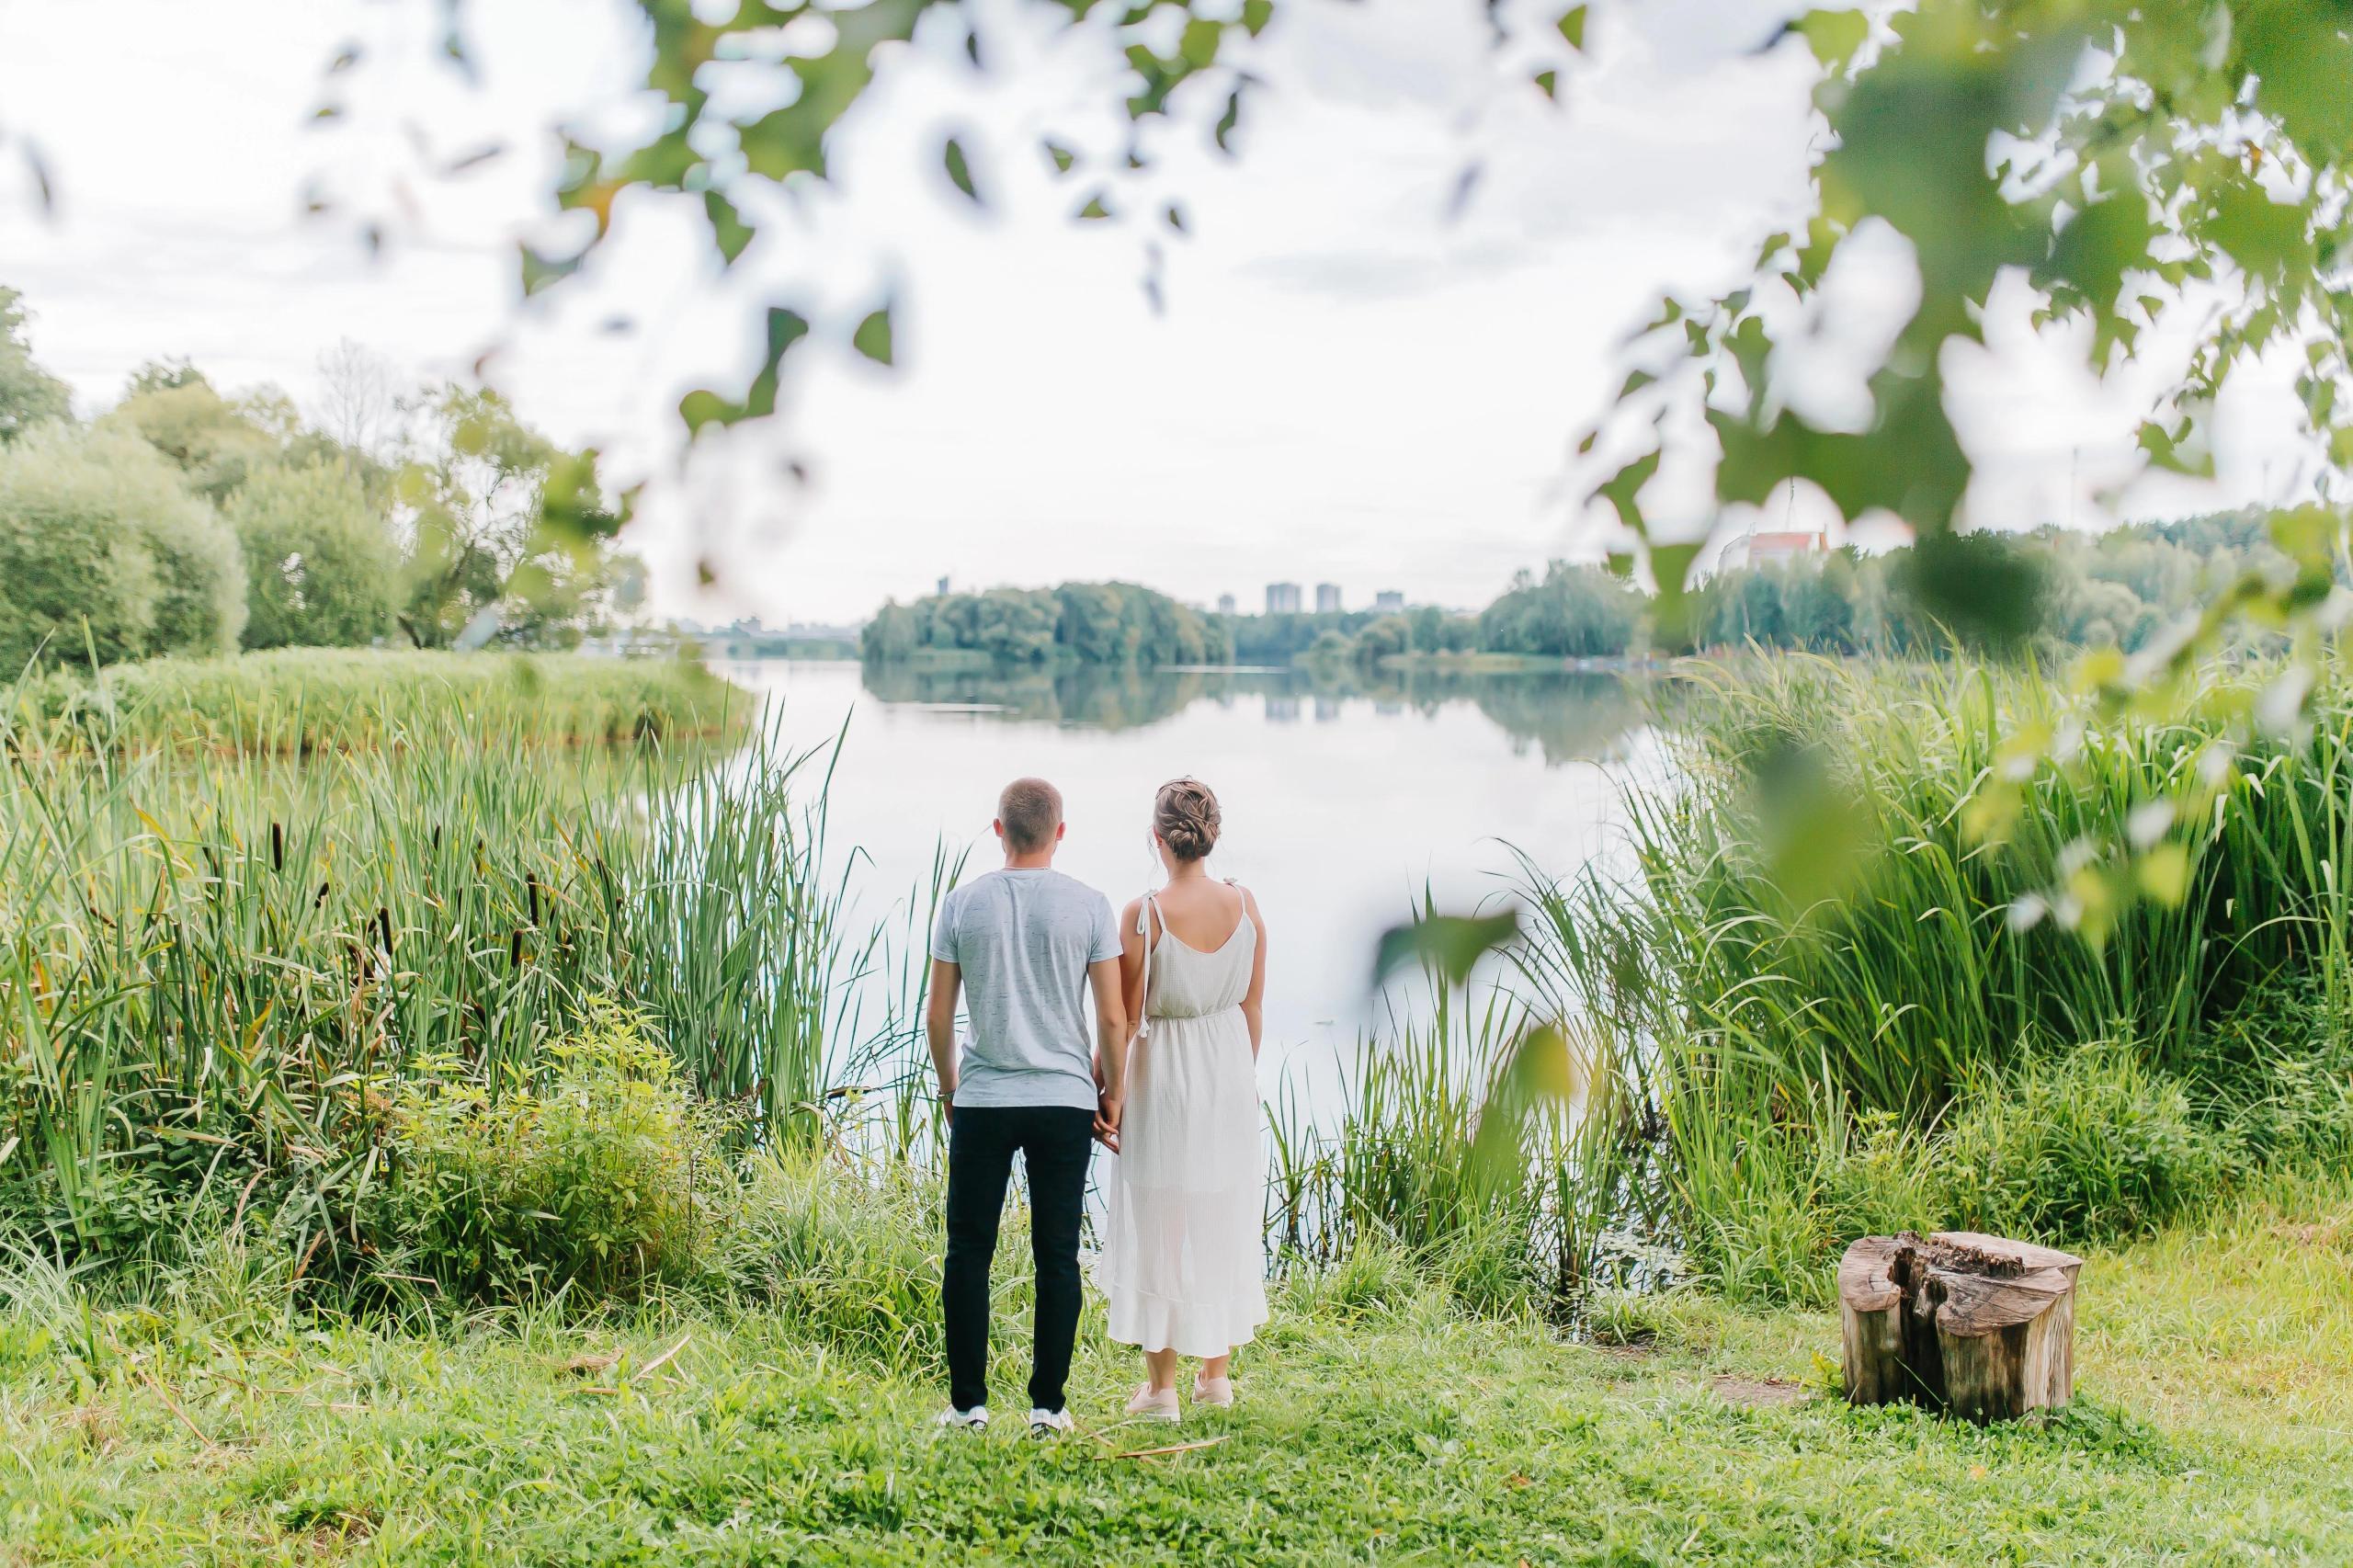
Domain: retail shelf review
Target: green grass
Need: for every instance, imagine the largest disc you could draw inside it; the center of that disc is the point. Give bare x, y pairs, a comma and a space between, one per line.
2214, 1423
304, 699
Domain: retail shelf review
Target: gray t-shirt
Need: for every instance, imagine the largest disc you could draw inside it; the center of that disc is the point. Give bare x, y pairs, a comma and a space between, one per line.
1024, 938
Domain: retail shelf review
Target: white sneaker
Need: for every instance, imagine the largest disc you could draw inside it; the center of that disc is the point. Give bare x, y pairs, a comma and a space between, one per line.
1051, 1423
1155, 1405
1218, 1392
973, 1420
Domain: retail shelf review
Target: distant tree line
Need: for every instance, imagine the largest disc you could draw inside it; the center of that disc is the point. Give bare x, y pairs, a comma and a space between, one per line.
188, 520
2082, 589
1095, 622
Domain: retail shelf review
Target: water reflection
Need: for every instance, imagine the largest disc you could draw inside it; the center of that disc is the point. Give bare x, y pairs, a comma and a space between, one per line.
1567, 715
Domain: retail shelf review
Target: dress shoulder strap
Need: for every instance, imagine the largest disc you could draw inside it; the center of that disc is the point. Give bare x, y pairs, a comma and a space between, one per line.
1146, 909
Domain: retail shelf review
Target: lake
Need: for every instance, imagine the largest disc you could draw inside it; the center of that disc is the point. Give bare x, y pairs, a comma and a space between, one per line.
1345, 796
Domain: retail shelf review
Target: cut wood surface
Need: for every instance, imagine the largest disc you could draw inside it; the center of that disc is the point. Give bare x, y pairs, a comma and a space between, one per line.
1981, 1325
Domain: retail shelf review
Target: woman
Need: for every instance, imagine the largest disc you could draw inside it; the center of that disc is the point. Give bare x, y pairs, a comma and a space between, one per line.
1182, 1257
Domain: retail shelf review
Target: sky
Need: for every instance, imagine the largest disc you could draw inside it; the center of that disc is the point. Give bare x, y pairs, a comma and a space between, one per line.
1351, 375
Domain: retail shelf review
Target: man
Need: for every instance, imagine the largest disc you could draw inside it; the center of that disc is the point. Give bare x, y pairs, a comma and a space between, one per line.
1026, 944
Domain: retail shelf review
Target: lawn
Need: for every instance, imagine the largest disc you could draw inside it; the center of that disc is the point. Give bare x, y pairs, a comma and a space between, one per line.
2214, 1423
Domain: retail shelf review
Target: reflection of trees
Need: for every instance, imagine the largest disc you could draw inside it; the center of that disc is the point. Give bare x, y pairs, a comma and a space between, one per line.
1096, 697
1569, 715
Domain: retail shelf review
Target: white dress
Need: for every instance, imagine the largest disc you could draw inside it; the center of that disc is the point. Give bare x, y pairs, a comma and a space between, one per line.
1183, 1260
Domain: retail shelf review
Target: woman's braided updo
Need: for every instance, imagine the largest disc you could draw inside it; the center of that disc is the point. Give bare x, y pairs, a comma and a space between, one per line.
1185, 815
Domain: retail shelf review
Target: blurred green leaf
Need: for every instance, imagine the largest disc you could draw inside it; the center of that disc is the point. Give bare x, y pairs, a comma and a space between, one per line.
701, 407
1200, 42
1447, 945
959, 169
727, 226
1541, 1069
1989, 588
874, 337
1833, 36
1228, 121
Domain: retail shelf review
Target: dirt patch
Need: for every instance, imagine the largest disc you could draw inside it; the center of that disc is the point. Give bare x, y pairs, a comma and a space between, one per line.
1758, 1394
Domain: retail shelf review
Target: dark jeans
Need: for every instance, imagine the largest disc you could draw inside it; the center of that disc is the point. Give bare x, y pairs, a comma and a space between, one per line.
1054, 1141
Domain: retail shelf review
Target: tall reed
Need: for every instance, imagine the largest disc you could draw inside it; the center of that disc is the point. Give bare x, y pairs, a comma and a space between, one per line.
208, 967
1796, 999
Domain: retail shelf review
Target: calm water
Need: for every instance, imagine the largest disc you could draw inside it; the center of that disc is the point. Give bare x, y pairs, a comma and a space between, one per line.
1342, 798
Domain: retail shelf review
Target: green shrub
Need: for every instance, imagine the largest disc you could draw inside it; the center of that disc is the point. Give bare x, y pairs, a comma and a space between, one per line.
102, 551
1775, 1208
1488, 1268
2090, 1145
1373, 1280
320, 566
2279, 1068
850, 1250
606, 1177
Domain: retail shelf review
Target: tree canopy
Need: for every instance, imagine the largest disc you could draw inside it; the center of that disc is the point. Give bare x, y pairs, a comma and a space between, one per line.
28, 394
1104, 623
184, 513
322, 568
104, 554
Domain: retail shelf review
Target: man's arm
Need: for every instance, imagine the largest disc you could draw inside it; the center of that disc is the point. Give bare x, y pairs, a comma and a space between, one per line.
1111, 1049
939, 1028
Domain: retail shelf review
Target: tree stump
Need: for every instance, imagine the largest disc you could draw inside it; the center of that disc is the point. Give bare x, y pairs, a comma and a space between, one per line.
1980, 1326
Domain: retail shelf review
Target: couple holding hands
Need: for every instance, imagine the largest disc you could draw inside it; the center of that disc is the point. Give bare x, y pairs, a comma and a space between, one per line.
1167, 1080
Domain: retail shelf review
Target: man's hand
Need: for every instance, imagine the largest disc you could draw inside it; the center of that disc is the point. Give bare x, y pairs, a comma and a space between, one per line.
1107, 1121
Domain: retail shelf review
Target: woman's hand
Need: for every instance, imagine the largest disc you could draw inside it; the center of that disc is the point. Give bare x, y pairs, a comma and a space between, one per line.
1107, 1121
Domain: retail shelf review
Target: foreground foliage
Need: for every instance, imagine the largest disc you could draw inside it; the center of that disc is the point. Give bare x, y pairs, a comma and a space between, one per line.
205, 1423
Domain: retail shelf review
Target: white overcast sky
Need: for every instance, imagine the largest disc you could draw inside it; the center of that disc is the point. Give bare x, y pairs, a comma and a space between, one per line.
1347, 383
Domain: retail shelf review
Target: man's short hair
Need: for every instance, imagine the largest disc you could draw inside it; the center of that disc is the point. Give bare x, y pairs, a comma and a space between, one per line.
1030, 810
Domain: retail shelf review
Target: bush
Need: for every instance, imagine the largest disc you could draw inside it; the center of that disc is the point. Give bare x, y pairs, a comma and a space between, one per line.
850, 1253
2279, 1068
1776, 1212
606, 1177
320, 567
2091, 1145
103, 551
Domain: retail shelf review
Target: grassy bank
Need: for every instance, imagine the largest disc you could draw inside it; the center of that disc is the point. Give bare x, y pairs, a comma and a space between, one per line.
206, 1423
239, 992
339, 699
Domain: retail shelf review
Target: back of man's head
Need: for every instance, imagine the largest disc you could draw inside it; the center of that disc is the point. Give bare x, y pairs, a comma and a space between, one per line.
1029, 812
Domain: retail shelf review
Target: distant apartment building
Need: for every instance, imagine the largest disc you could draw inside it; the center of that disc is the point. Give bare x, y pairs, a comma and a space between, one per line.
1282, 598
1388, 601
1769, 545
1327, 598
943, 587
1225, 604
